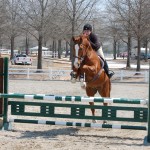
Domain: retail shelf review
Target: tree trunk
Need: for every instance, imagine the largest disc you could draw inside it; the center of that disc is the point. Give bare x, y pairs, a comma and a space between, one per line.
129, 51
138, 55
71, 52
27, 45
118, 49
53, 47
115, 48
145, 45
59, 49
73, 32
12, 46
66, 53
39, 62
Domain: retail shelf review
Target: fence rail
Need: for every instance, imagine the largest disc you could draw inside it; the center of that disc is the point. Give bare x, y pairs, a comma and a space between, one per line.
60, 74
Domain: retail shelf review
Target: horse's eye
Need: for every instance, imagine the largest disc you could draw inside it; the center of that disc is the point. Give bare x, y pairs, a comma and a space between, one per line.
81, 46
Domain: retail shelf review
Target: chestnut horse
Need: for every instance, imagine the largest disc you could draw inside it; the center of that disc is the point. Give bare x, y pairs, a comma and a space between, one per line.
87, 62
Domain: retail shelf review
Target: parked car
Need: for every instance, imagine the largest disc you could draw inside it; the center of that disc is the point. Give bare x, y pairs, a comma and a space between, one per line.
143, 56
148, 56
21, 59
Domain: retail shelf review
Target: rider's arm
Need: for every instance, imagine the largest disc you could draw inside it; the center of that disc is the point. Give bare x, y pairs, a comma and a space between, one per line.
94, 42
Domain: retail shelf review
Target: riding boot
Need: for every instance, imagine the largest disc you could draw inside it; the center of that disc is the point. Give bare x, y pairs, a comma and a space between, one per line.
107, 70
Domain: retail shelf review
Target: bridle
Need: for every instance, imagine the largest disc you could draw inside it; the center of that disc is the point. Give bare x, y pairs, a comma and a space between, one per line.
83, 57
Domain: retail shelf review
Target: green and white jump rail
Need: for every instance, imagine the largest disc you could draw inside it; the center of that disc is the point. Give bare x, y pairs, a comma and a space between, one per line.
74, 98
76, 124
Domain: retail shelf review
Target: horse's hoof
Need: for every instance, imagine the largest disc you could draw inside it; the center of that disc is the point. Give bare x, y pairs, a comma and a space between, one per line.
94, 121
104, 122
83, 87
73, 80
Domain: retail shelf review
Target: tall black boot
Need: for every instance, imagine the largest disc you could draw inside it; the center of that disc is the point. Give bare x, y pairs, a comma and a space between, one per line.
107, 70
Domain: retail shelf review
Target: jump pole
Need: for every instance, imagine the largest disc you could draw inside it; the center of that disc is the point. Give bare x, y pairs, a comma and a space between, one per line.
148, 119
4, 88
5, 114
1, 85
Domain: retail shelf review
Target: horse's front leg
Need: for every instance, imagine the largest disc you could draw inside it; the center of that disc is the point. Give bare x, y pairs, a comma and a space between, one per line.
86, 70
74, 74
90, 70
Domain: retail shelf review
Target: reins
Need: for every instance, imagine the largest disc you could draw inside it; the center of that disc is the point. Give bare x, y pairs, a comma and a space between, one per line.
100, 71
82, 58
96, 76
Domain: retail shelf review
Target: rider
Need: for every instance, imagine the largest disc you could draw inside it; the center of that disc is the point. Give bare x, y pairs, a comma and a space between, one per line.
87, 30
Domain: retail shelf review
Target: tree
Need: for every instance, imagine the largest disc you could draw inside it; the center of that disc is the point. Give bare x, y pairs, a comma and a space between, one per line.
139, 23
12, 28
133, 16
38, 15
121, 10
76, 12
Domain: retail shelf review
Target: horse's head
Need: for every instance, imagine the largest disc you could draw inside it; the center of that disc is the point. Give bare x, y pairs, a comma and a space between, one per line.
82, 46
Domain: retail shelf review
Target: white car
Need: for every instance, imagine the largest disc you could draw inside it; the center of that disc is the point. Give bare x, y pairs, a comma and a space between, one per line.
21, 59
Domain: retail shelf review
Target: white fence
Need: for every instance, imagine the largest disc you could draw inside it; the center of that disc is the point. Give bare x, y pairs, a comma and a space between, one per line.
59, 74
142, 76
46, 54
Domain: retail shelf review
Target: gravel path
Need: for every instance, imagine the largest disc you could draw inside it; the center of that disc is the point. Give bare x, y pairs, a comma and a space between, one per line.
42, 137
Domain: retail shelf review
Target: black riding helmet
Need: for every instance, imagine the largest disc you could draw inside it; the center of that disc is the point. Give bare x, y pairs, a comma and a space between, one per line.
87, 27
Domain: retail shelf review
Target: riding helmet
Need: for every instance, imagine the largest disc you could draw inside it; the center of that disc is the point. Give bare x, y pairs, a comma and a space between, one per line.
87, 27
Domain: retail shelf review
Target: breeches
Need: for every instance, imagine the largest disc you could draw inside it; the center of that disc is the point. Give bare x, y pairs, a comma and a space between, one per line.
100, 52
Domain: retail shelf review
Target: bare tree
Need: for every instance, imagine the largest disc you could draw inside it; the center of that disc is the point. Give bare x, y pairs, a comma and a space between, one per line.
140, 23
12, 28
38, 15
3, 21
122, 12
76, 12
132, 16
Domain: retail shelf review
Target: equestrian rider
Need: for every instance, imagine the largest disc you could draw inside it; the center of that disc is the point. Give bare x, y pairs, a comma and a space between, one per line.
87, 30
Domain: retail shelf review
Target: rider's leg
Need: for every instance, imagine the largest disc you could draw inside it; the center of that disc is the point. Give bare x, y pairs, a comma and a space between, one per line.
107, 70
100, 53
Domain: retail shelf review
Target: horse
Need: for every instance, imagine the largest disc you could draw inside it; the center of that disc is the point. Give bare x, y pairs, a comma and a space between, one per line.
88, 63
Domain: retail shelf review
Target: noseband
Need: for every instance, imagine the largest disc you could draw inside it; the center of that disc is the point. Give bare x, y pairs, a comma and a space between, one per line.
83, 57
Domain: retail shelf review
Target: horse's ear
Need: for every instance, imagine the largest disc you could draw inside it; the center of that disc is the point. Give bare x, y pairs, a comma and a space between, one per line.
73, 38
77, 39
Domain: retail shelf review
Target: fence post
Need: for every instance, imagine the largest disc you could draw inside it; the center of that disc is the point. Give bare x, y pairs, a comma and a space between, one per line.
28, 72
148, 134
50, 73
146, 76
121, 73
5, 115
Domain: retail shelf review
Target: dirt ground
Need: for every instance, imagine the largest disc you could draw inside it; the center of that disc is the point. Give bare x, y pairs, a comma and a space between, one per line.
43, 137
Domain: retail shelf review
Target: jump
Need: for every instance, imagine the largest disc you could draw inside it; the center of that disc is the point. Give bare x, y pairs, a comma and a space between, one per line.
88, 64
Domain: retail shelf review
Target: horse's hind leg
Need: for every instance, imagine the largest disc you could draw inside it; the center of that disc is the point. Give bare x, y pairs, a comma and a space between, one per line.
92, 110
91, 92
